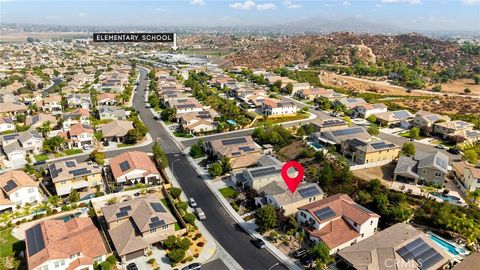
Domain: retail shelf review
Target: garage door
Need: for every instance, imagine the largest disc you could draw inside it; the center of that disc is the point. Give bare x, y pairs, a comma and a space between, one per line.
133, 255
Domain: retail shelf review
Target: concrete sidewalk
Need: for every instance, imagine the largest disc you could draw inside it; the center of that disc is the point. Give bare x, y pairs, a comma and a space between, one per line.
247, 226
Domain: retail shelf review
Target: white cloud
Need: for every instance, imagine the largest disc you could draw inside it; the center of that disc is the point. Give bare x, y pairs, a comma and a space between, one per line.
267, 6
82, 14
243, 6
52, 17
290, 4
346, 3
198, 2
412, 2
160, 9
470, 2
249, 4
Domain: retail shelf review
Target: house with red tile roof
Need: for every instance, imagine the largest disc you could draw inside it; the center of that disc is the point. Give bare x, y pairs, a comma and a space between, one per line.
17, 188
55, 244
337, 221
133, 167
78, 136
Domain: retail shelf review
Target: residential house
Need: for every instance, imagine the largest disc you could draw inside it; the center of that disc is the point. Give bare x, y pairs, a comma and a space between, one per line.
111, 113
471, 136
223, 81
258, 177
471, 262
78, 136
107, 99
78, 116
400, 246
312, 93
135, 225
279, 196
52, 104
79, 101
337, 221
39, 119
17, 145
278, 107
185, 105
10, 109
6, 124
299, 86
337, 136
430, 168
285, 80
364, 152
329, 124
17, 188
69, 174
134, 167
427, 119
198, 122
452, 128
366, 109
72, 245
401, 118
116, 131
467, 175
242, 151
350, 103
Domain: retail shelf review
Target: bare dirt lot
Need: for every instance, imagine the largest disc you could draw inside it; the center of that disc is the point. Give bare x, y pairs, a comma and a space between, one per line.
22, 37
443, 105
383, 173
458, 87
365, 85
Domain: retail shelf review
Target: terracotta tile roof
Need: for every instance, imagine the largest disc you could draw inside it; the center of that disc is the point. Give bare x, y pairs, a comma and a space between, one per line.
63, 239
335, 233
82, 112
20, 178
78, 129
136, 160
472, 262
106, 96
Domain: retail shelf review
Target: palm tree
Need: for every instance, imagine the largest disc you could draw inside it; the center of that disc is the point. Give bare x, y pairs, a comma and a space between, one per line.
475, 195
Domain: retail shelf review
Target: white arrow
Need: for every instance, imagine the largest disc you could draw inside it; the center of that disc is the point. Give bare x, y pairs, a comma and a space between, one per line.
174, 47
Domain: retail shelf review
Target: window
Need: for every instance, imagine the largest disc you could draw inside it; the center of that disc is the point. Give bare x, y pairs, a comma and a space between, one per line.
57, 264
362, 235
438, 174
98, 259
45, 267
164, 227
355, 224
371, 222
153, 230
303, 215
424, 171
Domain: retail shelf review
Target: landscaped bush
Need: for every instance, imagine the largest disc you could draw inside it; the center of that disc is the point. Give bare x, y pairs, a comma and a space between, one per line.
169, 243
182, 205
151, 261
176, 255
184, 243
189, 218
200, 244
176, 192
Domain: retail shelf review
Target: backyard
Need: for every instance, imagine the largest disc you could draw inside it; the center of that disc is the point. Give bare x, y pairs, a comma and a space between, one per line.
10, 247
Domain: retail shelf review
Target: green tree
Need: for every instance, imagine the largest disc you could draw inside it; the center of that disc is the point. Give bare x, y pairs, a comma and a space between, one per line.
266, 218
471, 156
372, 118
182, 205
437, 88
159, 155
97, 157
326, 175
184, 243
373, 129
226, 165
215, 169
74, 196
476, 78
176, 255
467, 90
196, 151
189, 218
289, 88
53, 144
408, 149
414, 133
170, 242
133, 136
176, 192
322, 252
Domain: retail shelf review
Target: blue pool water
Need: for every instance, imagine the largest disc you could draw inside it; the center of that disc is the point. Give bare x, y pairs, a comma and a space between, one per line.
446, 245
88, 197
447, 198
317, 146
68, 217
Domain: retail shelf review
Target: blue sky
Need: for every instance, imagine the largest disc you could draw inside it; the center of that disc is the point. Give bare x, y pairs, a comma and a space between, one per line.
408, 14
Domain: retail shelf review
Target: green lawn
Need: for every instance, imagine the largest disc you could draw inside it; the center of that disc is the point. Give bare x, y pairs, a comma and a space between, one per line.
120, 145
164, 201
74, 151
228, 192
7, 242
57, 155
277, 120
41, 157
177, 226
182, 135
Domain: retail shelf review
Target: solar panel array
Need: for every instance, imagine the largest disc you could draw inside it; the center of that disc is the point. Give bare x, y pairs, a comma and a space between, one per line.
325, 213
401, 114
333, 122
125, 208
382, 145
246, 148
80, 171
124, 165
158, 207
433, 117
9, 186
441, 162
347, 131
182, 106
234, 141
309, 192
122, 214
156, 222
265, 171
236, 154
421, 252
35, 241
70, 164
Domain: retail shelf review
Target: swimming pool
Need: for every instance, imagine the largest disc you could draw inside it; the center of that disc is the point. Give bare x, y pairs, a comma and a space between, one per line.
455, 251
69, 217
447, 198
88, 197
316, 146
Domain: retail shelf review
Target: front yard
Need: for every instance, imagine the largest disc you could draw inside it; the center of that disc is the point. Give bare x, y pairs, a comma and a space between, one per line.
10, 247
228, 192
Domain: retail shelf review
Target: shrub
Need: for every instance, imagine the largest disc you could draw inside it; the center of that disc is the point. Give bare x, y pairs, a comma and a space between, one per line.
151, 261
176, 255
176, 192
182, 205
200, 244
169, 243
184, 243
189, 218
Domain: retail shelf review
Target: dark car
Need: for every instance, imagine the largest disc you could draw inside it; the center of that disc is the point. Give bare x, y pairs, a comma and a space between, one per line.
192, 266
40, 162
258, 243
454, 151
307, 259
132, 266
300, 253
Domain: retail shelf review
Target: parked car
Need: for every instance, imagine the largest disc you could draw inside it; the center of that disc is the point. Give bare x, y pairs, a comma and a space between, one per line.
192, 266
258, 243
300, 253
334, 114
106, 143
441, 146
200, 214
454, 151
40, 162
87, 147
132, 266
192, 202
307, 259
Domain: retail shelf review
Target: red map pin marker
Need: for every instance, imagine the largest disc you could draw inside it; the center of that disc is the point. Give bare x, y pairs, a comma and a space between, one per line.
292, 182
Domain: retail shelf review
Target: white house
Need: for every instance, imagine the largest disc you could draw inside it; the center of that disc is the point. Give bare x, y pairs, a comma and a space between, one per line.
278, 107
365, 110
337, 221
17, 188
6, 124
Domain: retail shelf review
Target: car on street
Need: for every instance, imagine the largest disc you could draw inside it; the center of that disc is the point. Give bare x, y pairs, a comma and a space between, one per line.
454, 151
258, 243
40, 162
132, 266
441, 146
307, 259
300, 253
192, 202
193, 266
87, 147
200, 214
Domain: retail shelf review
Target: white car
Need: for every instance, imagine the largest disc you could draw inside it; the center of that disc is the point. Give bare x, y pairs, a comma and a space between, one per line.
192, 202
200, 213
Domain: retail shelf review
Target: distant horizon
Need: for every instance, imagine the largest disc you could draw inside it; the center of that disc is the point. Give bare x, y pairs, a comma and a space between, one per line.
406, 15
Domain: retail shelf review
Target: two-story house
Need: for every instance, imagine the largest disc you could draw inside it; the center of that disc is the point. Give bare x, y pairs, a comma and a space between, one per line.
52, 104
72, 245
242, 151
69, 174
423, 168
427, 119
452, 128
337, 221
17, 188
278, 107
135, 225
107, 99
366, 109
6, 124
78, 116
134, 167
364, 152
78, 136
111, 113
16, 146
467, 175
79, 101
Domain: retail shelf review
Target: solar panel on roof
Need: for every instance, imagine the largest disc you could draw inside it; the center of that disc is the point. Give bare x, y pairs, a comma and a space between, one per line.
125, 208
234, 141
35, 241
158, 207
124, 166
401, 114
347, 131
182, 106
363, 208
80, 171
265, 171
308, 192
157, 224
381, 145
154, 219
10, 186
122, 214
421, 252
70, 164
10, 137
325, 213
236, 154
441, 162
